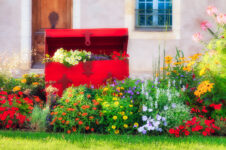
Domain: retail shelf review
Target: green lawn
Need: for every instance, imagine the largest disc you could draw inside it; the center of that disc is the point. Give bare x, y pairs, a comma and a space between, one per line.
32, 140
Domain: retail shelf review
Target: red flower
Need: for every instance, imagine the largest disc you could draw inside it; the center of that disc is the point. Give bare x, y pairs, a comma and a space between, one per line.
92, 129
171, 131
87, 127
204, 109
181, 127
186, 133
80, 122
20, 93
84, 114
216, 106
204, 133
94, 108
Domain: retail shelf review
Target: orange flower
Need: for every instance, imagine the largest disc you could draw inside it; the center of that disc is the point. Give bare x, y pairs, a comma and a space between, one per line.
87, 106
81, 92
69, 131
67, 100
60, 118
101, 114
70, 95
94, 108
63, 121
76, 119
92, 129
97, 122
87, 127
52, 113
61, 106
70, 109
75, 104
84, 114
56, 113
67, 122
63, 113
80, 122
96, 103
35, 83
91, 117
84, 107
88, 96
74, 129
54, 107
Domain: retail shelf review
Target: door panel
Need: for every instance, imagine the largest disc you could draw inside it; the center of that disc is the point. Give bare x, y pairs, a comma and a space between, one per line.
47, 14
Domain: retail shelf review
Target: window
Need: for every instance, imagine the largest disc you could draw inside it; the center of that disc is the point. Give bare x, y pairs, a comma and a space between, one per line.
154, 14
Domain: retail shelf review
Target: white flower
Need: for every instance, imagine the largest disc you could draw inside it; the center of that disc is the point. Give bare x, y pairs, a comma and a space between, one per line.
144, 118
156, 104
150, 110
145, 108
165, 107
158, 117
140, 129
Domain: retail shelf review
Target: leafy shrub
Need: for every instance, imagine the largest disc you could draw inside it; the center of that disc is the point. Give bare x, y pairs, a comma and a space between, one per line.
39, 118
162, 108
77, 111
14, 110
121, 101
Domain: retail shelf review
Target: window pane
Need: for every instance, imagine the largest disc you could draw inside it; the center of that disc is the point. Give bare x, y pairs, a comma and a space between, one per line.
141, 7
161, 20
149, 0
149, 20
141, 20
161, 8
149, 7
141, 0
168, 20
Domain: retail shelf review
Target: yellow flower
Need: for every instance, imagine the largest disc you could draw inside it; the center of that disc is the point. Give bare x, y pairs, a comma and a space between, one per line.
202, 71
113, 126
191, 63
16, 88
122, 113
118, 88
186, 68
35, 83
182, 58
136, 124
116, 103
105, 89
168, 59
121, 106
125, 117
36, 76
99, 99
23, 81
25, 75
130, 105
120, 94
115, 98
122, 88
168, 73
116, 131
115, 117
131, 113
125, 126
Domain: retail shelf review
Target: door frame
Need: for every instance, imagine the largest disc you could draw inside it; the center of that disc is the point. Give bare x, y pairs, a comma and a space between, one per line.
26, 29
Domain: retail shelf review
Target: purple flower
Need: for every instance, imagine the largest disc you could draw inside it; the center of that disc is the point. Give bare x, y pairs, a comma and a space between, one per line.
144, 131
174, 105
131, 97
138, 92
123, 97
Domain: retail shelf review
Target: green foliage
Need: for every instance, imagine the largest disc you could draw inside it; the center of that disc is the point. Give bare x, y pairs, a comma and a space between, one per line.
121, 101
77, 111
39, 119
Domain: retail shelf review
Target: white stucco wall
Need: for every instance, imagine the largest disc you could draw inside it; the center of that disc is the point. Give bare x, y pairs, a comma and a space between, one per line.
105, 13
143, 48
9, 31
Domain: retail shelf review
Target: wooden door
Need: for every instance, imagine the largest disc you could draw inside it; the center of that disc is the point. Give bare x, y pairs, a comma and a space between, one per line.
48, 14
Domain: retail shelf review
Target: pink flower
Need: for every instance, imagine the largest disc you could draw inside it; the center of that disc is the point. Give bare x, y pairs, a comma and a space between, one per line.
221, 18
205, 25
197, 37
211, 10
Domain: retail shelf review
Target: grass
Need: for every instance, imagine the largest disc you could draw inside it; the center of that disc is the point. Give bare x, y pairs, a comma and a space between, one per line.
11, 140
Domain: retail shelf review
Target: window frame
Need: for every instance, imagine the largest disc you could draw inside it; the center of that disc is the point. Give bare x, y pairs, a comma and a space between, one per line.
155, 16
